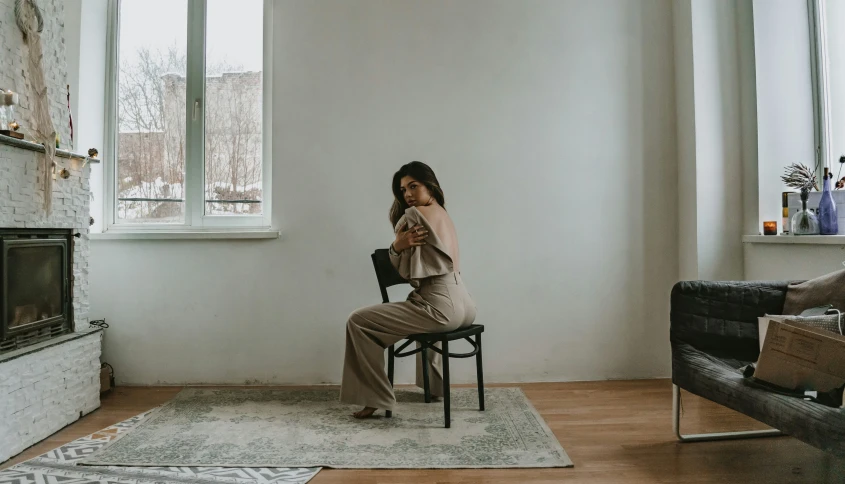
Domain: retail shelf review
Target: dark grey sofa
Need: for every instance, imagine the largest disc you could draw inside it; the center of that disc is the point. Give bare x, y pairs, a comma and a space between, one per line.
714, 334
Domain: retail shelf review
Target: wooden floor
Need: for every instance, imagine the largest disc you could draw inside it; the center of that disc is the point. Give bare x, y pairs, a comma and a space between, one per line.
615, 432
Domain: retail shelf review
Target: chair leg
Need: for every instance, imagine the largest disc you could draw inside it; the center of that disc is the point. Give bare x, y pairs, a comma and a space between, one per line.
479, 366
424, 363
446, 385
676, 424
390, 362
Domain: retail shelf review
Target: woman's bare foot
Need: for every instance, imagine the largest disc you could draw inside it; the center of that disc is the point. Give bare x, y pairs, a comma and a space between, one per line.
366, 412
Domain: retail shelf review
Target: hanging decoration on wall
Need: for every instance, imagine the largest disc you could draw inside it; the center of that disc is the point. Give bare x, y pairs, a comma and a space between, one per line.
21, 19
31, 23
70, 116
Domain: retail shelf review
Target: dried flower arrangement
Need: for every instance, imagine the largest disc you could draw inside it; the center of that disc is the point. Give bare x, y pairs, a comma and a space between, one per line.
800, 177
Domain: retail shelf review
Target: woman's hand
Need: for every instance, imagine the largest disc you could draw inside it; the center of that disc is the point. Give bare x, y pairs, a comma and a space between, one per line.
410, 237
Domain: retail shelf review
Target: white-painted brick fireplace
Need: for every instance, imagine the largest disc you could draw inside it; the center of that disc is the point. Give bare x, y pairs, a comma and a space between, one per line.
46, 386
49, 385
43, 391
20, 207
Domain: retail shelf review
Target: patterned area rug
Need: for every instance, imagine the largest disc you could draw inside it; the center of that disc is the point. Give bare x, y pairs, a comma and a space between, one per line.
59, 467
309, 428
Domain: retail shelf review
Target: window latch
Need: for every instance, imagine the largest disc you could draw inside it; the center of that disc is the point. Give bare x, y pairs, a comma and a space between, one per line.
196, 109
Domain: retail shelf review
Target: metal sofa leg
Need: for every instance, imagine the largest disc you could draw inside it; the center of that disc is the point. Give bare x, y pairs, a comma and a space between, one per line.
676, 426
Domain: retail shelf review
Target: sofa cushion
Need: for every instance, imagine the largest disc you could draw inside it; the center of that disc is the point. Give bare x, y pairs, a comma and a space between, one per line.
827, 289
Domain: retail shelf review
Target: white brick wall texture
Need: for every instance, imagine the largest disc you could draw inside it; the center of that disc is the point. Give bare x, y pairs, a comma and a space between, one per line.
21, 207
48, 389
44, 391
14, 73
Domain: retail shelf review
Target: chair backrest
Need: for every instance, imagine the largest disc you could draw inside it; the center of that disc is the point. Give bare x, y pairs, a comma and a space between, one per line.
386, 274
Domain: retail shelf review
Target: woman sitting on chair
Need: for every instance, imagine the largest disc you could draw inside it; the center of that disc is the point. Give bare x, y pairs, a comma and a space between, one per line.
425, 253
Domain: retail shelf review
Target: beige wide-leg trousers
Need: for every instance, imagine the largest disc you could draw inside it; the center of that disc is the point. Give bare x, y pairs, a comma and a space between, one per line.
439, 304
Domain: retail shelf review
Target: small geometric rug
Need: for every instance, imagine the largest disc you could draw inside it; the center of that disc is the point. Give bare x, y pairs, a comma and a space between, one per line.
59, 467
310, 428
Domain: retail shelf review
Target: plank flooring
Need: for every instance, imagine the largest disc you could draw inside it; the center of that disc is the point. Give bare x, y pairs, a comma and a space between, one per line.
615, 432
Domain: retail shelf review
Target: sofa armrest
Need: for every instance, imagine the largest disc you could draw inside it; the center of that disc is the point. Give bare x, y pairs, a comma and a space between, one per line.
720, 318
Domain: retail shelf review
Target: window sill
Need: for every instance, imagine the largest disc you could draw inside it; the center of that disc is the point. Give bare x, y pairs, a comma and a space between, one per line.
185, 234
794, 239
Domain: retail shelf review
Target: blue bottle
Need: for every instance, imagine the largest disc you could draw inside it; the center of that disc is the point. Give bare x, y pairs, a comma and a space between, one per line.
828, 221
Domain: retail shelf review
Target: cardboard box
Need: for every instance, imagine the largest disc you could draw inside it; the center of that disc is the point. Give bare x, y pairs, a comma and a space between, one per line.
800, 357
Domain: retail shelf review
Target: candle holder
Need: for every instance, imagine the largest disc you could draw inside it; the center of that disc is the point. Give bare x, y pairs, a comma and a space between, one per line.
770, 227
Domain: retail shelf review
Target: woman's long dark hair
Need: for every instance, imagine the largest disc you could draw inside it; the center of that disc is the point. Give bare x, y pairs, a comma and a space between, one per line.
420, 172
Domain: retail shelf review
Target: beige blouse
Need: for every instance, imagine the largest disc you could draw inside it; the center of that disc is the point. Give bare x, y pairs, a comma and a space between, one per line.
431, 259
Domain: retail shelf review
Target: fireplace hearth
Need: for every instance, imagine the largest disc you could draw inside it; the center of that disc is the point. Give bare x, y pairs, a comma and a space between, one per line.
36, 289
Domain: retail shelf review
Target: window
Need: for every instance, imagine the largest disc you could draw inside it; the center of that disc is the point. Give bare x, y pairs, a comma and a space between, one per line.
189, 118
829, 43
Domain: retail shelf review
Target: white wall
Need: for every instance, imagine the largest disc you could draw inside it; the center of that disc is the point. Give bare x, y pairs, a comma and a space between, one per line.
787, 262
73, 40
685, 126
748, 115
718, 140
785, 129
86, 22
551, 126
710, 154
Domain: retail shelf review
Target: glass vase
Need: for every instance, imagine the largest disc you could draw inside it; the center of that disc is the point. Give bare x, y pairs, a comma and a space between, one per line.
805, 222
828, 221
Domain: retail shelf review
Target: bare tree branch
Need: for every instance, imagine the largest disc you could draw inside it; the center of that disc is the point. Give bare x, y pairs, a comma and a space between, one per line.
152, 121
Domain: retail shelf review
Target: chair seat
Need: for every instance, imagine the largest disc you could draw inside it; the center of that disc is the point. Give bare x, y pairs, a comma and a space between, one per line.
460, 333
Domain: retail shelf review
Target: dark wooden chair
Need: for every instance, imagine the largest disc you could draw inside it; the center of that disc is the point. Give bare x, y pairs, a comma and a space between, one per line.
388, 276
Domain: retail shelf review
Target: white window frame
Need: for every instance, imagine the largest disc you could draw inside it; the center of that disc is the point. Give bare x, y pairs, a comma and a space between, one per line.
195, 218
819, 71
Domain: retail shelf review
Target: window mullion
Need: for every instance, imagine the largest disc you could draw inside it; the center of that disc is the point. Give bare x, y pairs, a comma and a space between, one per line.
821, 86
267, 113
195, 115
111, 106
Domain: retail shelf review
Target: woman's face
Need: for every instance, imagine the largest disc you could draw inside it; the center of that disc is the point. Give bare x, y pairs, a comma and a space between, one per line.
414, 192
